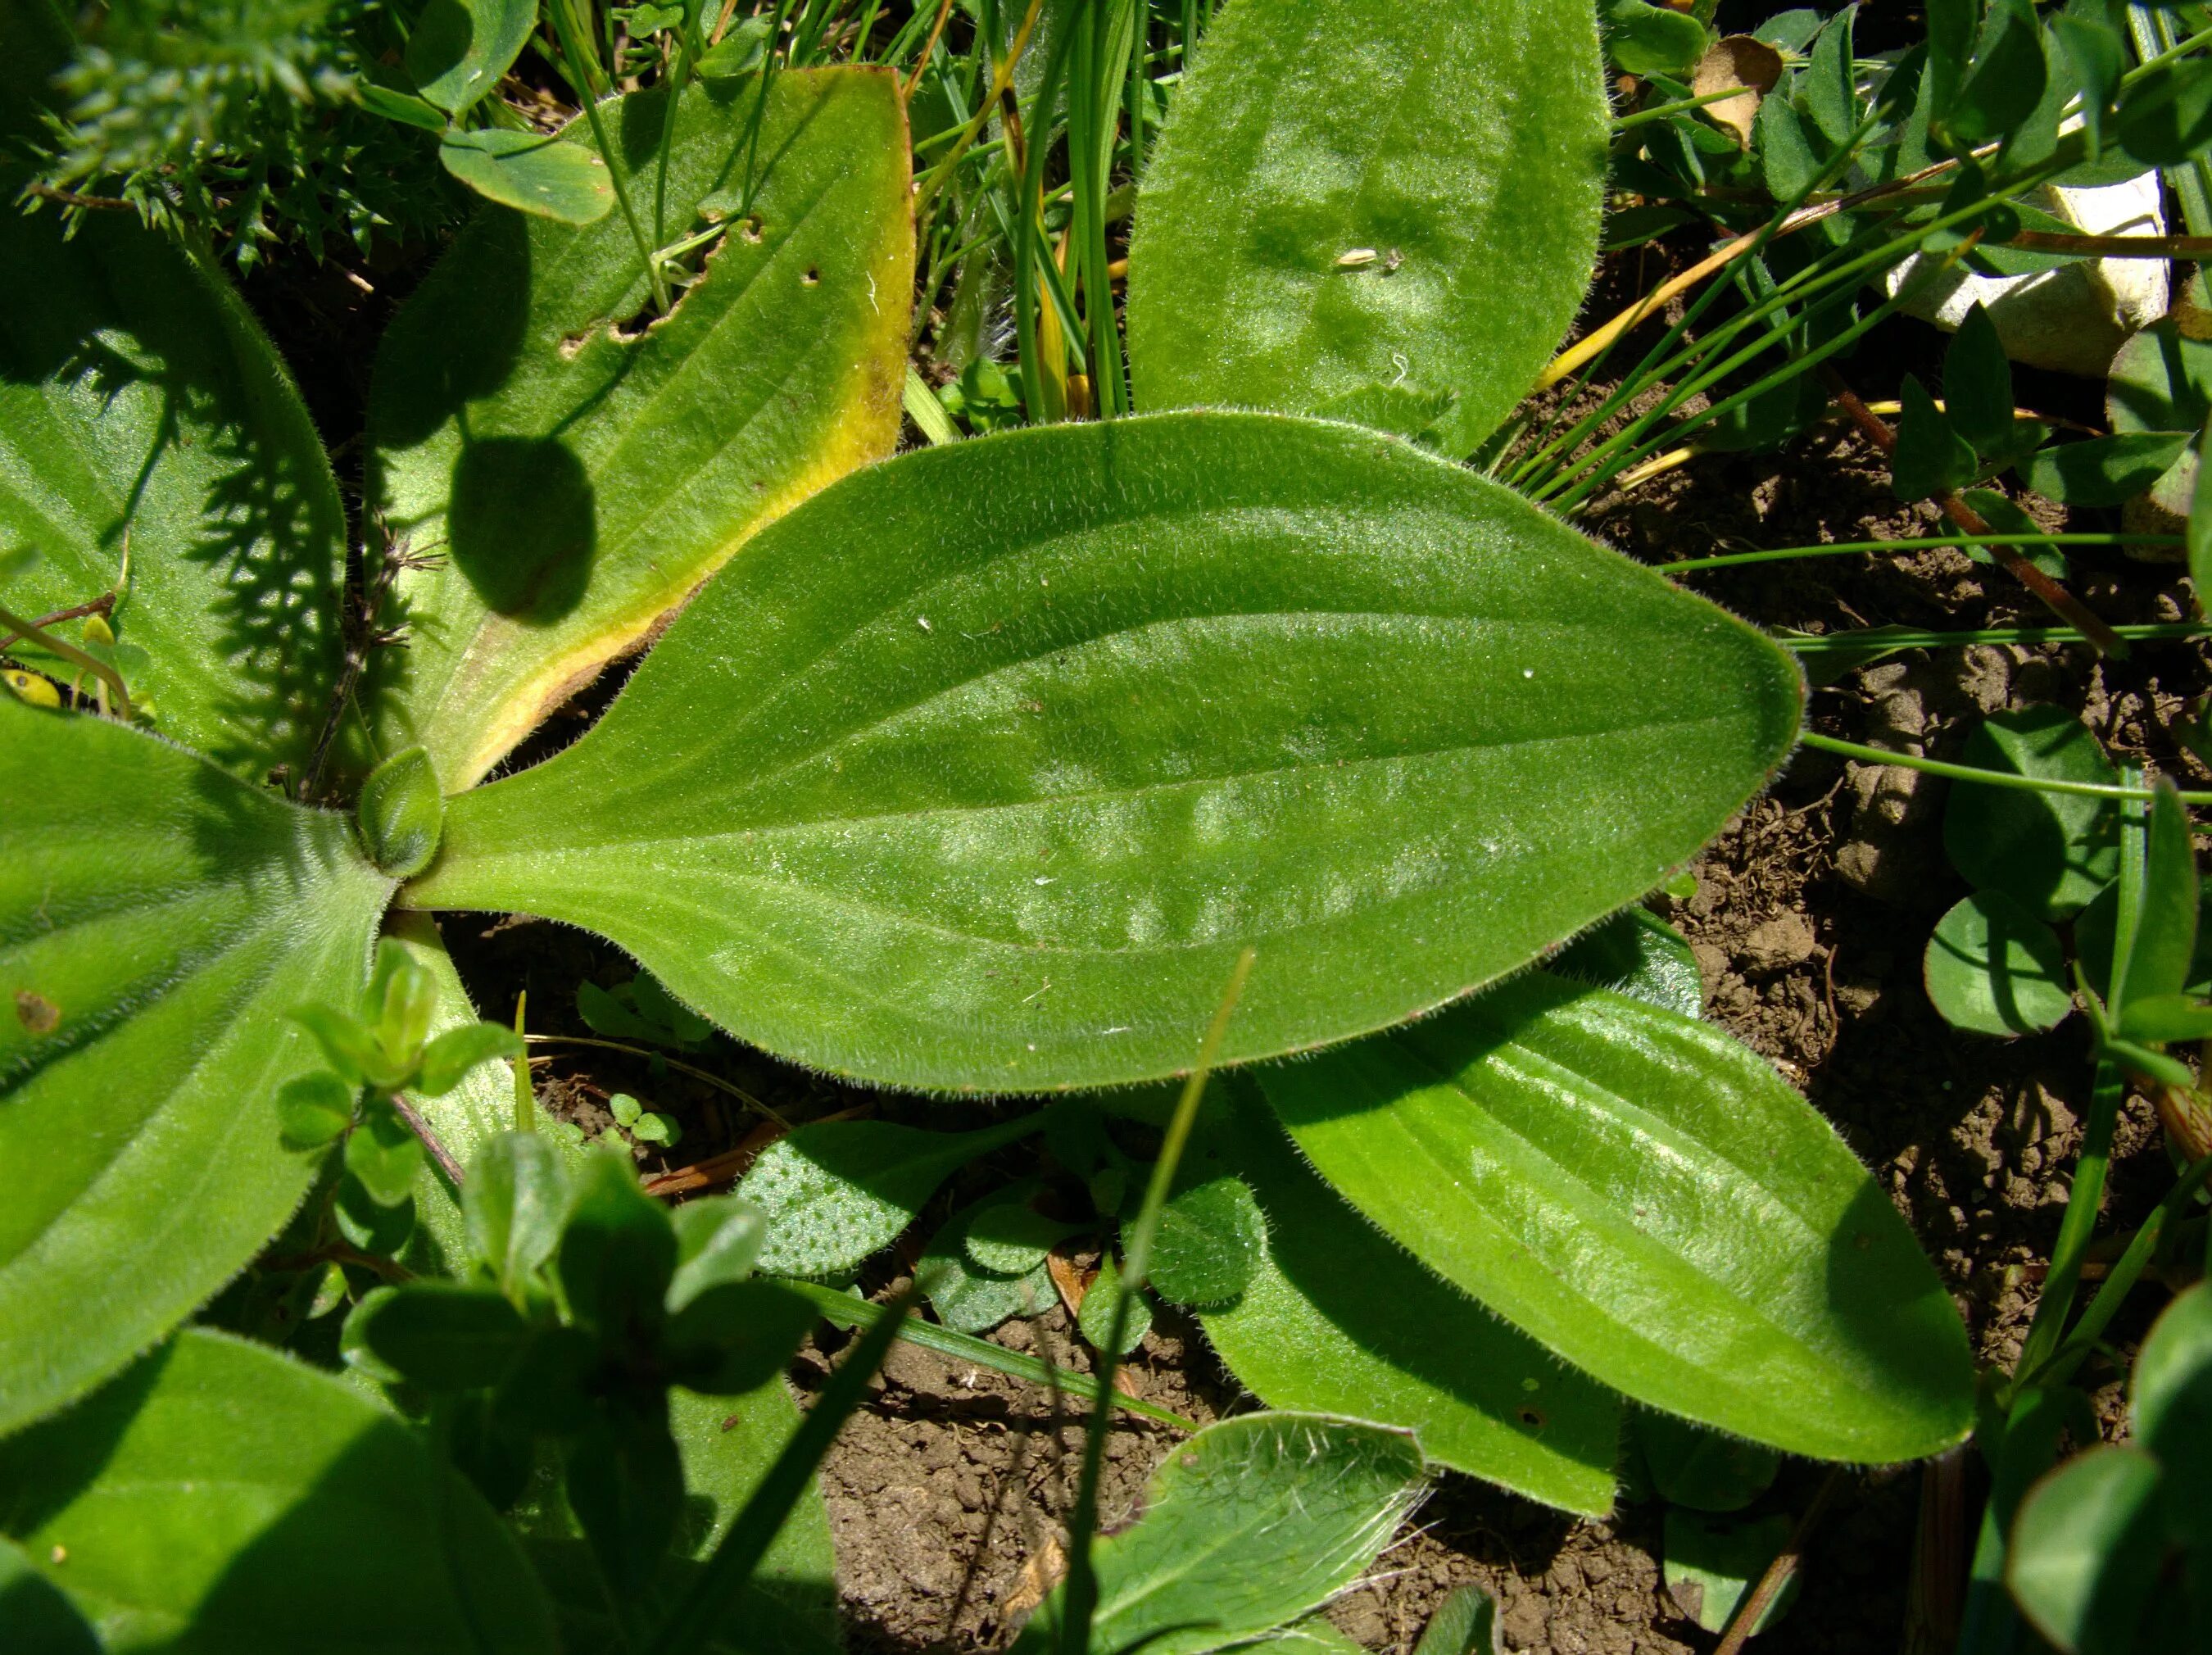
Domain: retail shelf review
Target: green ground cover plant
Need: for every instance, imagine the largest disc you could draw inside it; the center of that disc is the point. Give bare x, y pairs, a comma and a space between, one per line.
1213, 745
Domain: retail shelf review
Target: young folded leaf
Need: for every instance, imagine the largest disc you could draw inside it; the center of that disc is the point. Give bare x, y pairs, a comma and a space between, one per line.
1247, 1526
1360, 192
1645, 1195
152, 445
1337, 1318
570, 472
160, 921
979, 770
219, 1496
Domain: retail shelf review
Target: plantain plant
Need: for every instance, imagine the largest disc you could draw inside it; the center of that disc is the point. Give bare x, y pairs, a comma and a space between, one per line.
974, 770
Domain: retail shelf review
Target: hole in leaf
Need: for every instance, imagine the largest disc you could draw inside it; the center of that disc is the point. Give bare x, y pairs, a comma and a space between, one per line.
1533, 1418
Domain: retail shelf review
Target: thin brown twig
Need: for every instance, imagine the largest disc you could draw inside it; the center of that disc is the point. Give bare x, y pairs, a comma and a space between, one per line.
340, 1253
103, 606
2056, 598
928, 50
420, 1128
1752, 1609
696, 1073
97, 203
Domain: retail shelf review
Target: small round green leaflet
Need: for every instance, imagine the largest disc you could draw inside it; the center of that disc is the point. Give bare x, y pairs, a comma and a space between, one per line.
545, 176
1994, 968
160, 921
1359, 193
1210, 1239
981, 769
219, 1497
578, 466
2171, 1400
2052, 852
2161, 380
2088, 1550
460, 48
1642, 1195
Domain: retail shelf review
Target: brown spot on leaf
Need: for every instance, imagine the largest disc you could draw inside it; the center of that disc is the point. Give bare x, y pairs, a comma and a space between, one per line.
36, 1013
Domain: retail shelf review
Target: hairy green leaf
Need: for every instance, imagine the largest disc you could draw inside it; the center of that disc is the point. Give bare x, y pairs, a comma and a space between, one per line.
460, 48
1422, 207
1247, 1526
980, 770
966, 1298
1338, 1319
1638, 954
2052, 852
568, 472
839, 1191
219, 1497
152, 445
1994, 968
1211, 1239
159, 920
1465, 1623
1645, 1196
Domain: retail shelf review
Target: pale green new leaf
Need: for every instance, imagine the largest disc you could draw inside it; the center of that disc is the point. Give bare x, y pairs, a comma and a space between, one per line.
160, 921
1645, 1196
1246, 1527
1338, 1319
152, 444
567, 468
1358, 193
982, 770
219, 1498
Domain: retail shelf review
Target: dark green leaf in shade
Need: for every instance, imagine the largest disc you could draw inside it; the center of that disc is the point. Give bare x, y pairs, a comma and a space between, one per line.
835, 1192
1699, 1469
1338, 1318
1286, 157
2051, 852
1247, 1526
2164, 944
736, 1336
143, 411
1210, 1239
39, 1618
218, 1497
981, 769
2006, 81
1636, 953
2104, 470
625, 1483
2088, 1550
437, 1334
2170, 1400
460, 48
400, 813
1977, 385
1012, 1237
1993, 968
1645, 1195
1931, 457
536, 172
2162, 382
2200, 519
1827, 89
2093, 944
159, 922
1712, 1562
617, 1252
579, 472
2166, 118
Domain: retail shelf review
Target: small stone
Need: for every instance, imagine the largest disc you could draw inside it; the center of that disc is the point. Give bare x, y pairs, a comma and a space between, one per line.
1775, 945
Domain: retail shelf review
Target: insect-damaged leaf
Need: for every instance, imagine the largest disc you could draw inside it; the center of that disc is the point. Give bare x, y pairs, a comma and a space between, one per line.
218, 1496
982, 769
1422, 208
566, 473
1247, 1526
158, 921
152, 445
1646, 1197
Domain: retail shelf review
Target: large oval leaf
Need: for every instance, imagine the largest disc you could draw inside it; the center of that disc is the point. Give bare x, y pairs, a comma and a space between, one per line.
1338, 1319
1355, 193
1645, 1195
219, 1498
159, 920
152, 444
982, 770
567, 474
